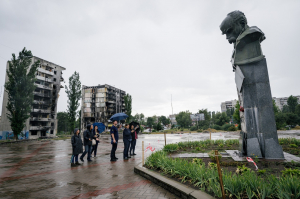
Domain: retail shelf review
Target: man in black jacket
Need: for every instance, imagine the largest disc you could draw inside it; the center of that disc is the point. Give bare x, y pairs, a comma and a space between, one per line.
87, 142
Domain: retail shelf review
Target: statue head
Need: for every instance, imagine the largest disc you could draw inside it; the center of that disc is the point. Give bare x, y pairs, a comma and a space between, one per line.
233, 25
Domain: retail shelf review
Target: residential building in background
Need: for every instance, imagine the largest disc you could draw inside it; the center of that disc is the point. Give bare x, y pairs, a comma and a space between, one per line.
281, 101
99, 103
228, 105
42, 121
173, 119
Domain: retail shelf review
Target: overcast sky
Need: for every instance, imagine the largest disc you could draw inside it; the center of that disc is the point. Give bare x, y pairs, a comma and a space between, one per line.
152, 49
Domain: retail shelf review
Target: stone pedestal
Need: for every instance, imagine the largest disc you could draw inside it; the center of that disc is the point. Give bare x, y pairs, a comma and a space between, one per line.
259, 134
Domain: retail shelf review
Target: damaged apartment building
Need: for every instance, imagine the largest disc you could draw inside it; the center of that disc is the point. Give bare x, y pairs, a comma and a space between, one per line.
42, 121
99, 103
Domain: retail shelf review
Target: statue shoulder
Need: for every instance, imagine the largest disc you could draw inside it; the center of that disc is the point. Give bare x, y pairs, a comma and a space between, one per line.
252, 33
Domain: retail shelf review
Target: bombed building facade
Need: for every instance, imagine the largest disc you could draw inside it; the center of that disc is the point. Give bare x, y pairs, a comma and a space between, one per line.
42, 121
99, 103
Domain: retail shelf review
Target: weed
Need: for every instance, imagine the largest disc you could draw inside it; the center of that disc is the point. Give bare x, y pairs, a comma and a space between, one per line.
293, 146
261, 171
198, 161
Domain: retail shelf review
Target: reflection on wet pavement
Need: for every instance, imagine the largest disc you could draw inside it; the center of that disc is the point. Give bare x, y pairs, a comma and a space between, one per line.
41, 169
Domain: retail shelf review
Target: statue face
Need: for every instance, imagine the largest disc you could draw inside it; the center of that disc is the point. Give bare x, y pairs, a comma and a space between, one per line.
231, 29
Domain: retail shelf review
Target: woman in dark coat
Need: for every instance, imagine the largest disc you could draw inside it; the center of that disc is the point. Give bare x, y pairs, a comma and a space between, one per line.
76, 146
96, 135
126, 139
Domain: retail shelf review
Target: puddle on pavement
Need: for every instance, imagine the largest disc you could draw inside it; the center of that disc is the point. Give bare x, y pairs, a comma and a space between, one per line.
82, 186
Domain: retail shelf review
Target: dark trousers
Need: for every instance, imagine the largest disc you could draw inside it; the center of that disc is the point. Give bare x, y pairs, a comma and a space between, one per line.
74, 157
126, 148
94, 148
87, 150
114, 147
132, 146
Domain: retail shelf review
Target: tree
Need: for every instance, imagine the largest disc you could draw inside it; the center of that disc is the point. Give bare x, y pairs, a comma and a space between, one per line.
150, 122
164, 120
63, 122
285, 109
19, 88
297, 111
142, 119
128, 107
74, 95
292, 103
158, 126
206, 114
221, 119
184, 119
236, 115
280, 119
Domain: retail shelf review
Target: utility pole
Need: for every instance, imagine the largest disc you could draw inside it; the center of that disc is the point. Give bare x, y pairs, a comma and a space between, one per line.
171, 104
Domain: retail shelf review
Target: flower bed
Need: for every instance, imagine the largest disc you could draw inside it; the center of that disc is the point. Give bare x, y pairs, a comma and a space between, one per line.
239, 182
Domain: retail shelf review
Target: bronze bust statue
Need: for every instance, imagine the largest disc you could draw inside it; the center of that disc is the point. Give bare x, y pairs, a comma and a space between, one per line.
246, 40
258, 136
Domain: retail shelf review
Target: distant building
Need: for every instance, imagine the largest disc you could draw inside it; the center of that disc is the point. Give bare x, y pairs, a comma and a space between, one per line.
228, 105
281, 101
173, 119
42, 121
197, 117
99, 103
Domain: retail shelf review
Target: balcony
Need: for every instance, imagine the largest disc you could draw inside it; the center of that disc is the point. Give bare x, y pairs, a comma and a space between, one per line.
41, 102
41, 111
45, 71
44, 79
61, 79
40, 119
41, 94
42, 128
42, 86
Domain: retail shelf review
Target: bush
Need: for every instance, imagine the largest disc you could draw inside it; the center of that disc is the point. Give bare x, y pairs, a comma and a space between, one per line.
193, 128
154, 131
226, 126
217, 127
232, 128
199, 130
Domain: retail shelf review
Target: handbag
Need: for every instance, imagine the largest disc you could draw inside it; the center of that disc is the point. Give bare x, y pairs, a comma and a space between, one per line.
93, 142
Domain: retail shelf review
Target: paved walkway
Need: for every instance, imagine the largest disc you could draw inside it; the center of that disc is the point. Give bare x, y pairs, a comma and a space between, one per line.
41, 169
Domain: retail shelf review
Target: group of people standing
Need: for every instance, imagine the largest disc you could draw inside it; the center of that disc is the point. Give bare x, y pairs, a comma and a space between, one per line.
91, 140
129, 140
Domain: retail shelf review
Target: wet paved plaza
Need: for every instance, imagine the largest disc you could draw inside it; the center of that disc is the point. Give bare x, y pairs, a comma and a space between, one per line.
41, 169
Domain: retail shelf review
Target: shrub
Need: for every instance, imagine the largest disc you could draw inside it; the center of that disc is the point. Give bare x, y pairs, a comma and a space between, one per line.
154, 131
226, 126
193, 128
199, 130
232, 128
217, 127
261, 171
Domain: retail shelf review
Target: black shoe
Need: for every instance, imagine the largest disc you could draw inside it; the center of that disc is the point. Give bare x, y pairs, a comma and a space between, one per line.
133, 154
129, 156
81, 159
89, 160
77, 163
113, 160
125, 158
116, 158
73, 164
